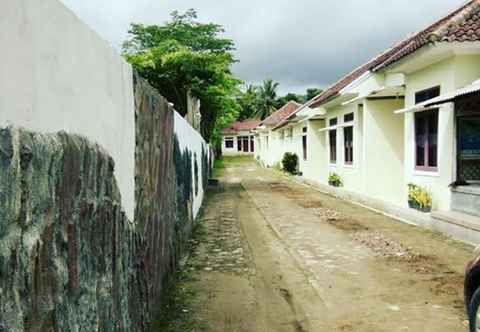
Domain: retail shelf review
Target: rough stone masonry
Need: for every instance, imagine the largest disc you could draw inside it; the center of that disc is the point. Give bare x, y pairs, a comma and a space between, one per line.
70, 260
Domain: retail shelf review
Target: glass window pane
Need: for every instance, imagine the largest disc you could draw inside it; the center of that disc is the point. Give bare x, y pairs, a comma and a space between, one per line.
433, 139
348, 142
333, 146
420, 139
304, 145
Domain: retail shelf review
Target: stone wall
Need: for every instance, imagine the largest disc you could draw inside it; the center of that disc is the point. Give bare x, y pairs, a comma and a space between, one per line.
169, 184
99, 192
70, 260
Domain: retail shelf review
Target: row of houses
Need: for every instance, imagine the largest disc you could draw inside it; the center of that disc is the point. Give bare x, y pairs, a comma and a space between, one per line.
409, 116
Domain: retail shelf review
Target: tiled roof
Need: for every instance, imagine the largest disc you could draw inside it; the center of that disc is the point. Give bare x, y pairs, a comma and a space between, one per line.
280, 115
245, 125
462, 25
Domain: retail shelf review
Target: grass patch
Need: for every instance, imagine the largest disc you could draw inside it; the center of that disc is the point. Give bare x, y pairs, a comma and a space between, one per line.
218, 167
180, 312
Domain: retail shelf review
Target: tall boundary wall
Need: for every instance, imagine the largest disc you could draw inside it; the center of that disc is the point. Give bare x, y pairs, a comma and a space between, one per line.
58, 74
101, 180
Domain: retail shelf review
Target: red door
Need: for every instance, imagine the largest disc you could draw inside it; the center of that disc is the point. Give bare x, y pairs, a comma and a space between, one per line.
245, 144
252, 145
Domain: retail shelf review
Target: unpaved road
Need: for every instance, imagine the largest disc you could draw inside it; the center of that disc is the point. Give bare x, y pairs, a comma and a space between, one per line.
280, 256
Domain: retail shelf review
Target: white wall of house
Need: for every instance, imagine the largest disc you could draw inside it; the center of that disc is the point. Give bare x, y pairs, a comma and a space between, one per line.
233, 151
316, 166
383, 157
449, 74
69, 79
350, 174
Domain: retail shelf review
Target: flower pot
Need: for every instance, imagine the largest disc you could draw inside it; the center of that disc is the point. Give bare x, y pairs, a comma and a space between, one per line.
416, 206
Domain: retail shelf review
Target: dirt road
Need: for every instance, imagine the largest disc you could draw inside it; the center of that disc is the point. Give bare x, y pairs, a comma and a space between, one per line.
274, 255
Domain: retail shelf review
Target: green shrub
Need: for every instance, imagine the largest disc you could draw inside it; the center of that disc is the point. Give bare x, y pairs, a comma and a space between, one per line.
335, 180
290, 162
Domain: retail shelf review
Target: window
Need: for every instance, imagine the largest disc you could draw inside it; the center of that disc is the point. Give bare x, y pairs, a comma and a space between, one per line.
426, 139
332, 134
229, 143
304, 143
348, 144
252, 144
348, 117
333, 122
427, 94
239, 144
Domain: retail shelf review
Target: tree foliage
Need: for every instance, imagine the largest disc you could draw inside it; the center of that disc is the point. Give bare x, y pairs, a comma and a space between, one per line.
267, 96
261, 101
185, 55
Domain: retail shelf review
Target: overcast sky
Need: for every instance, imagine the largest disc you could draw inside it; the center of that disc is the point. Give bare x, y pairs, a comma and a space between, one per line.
303, 43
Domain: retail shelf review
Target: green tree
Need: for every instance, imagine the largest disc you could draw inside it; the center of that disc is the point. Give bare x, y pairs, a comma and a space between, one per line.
281, 101
248, 102
267, 98
184, 55
311, 93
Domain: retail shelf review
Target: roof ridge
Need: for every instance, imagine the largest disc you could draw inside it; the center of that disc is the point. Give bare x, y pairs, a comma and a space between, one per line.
456, 18
408, 45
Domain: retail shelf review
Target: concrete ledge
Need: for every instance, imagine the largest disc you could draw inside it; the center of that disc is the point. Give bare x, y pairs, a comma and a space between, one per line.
406, 215
457, 225
471, 190
459, 219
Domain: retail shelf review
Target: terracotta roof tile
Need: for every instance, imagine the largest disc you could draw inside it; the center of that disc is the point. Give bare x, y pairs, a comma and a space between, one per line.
280, 115
244, 125
462, 25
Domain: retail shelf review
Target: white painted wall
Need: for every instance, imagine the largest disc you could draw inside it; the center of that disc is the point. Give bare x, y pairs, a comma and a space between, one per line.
191, 140
234, 151
57, 74
316, 166
449, 74
383, 145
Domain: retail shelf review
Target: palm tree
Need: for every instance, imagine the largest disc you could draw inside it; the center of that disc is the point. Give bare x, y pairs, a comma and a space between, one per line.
267, 98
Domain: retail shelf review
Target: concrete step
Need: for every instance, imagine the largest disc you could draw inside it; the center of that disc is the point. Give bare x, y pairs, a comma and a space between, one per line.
466, 199
460, 225
458, 218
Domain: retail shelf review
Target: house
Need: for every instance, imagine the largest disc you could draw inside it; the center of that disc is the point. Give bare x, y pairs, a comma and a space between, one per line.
272, 144
410, 115
238, 139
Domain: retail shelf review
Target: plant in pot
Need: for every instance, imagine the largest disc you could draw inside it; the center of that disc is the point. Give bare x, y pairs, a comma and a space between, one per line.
419, 198
290, 163
335, 180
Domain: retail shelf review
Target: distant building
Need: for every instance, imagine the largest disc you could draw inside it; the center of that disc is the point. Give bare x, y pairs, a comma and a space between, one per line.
238, 139
271, 145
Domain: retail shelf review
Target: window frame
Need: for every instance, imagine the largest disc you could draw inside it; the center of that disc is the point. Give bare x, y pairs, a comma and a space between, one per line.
333, 161
350, 149
426, 153
229, 140
333, 122
422, 96
304, 144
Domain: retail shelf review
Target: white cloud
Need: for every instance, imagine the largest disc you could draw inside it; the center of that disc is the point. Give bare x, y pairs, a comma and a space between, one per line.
298, 43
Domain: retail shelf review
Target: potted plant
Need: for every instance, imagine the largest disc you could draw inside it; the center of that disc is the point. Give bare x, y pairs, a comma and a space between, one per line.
419, 198
335, 180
